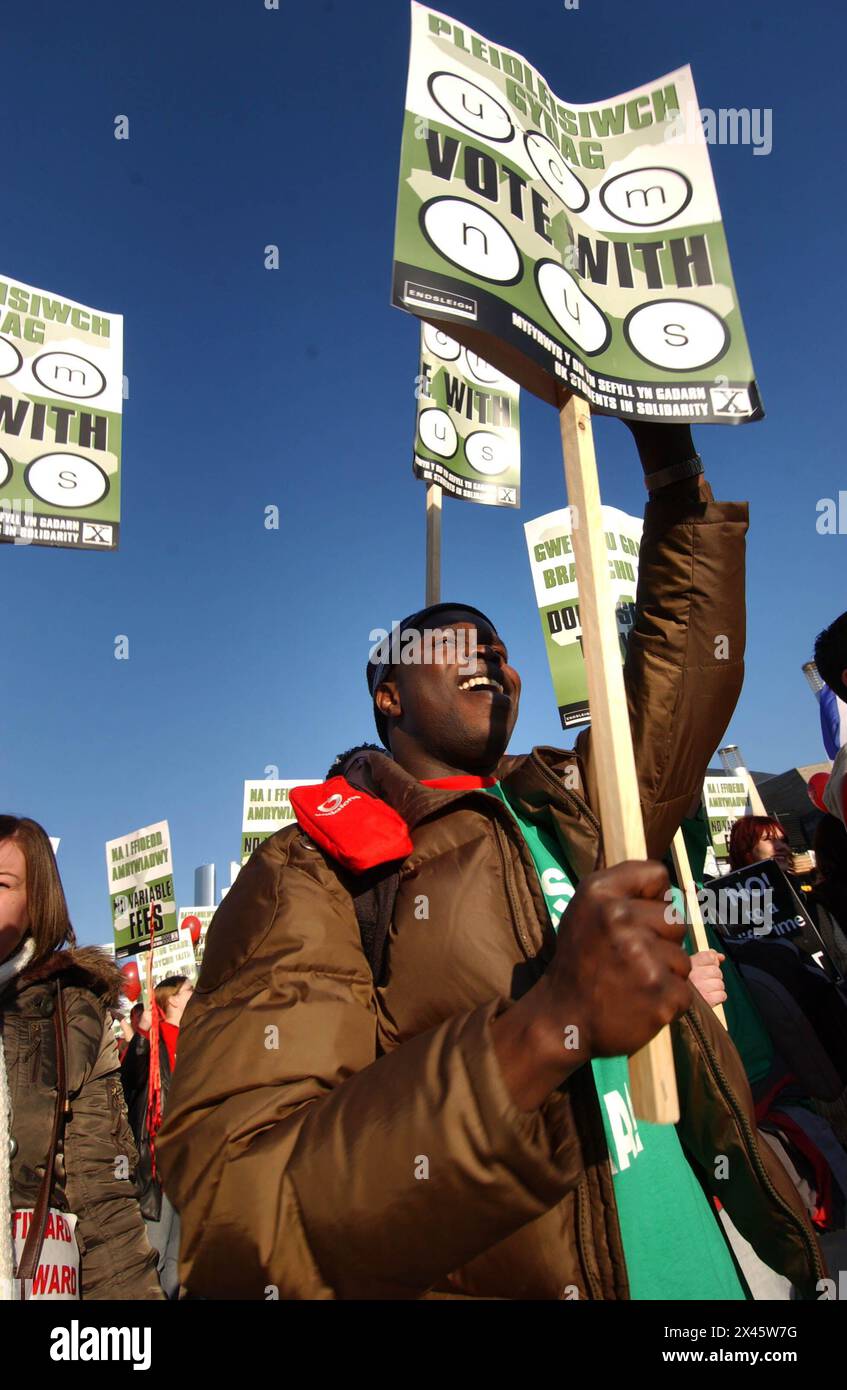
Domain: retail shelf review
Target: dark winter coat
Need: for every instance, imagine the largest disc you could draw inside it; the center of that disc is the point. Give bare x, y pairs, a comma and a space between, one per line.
308, 1096
94, 1176
135, 1075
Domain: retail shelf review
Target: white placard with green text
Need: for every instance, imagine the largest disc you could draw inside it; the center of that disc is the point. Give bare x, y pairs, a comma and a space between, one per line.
725, 800
61, 397
549, 541
266, 810
569, 245
139, 869
468, 428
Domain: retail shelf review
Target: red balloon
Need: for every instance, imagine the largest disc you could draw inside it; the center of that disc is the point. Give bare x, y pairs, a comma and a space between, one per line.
132, 984
816, 789
195, 926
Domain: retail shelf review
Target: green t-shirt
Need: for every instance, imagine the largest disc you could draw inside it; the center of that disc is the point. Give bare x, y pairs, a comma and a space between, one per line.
672, 1240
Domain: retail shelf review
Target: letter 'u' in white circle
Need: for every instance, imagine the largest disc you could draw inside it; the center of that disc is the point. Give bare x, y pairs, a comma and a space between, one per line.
482, 370
573, 311
676, 334
438, 433
646, 197
69, 375
470, 238
551, 167
437, 342
5, 469
471, 107
10, 358
487, 453
66, 480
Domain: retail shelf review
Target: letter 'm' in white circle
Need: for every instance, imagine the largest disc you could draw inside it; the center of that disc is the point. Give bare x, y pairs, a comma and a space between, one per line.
66, 374
646, 197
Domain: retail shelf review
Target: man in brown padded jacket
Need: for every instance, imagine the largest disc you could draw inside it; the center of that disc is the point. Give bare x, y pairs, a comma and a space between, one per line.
451, 1117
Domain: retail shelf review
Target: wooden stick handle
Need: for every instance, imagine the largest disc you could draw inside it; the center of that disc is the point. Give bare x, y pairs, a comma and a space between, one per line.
685, 879
149, 963
652, 1076
433, 543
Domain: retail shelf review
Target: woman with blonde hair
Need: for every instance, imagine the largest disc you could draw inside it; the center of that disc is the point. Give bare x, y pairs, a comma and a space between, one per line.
70, 1225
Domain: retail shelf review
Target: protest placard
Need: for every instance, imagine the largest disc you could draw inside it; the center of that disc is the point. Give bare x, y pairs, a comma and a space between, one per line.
56, 1277
584, 240
758, 903
725, 801
195, 921
139, 872
510, 203
61, 396
266, 810
550, 543
467, 438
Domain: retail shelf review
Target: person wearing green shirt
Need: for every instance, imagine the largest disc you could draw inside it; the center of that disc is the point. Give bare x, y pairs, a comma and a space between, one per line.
672, 1240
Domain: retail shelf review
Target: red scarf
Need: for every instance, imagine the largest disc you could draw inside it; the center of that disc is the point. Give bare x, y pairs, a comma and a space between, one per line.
154, 1075
154, 1083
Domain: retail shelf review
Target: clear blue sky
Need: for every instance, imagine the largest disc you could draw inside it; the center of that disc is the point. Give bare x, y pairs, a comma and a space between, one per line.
296, 387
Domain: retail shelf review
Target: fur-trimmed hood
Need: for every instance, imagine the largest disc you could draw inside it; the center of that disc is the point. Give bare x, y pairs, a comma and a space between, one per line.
80, 967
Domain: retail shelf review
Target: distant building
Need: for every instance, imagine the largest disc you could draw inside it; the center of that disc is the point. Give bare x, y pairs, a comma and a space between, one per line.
204, 885
786, 796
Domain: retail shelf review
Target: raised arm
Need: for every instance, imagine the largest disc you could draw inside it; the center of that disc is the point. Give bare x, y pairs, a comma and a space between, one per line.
685, 659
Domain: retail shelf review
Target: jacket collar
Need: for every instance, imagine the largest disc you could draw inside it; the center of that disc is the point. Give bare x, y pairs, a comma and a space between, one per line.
545, 778
85, 967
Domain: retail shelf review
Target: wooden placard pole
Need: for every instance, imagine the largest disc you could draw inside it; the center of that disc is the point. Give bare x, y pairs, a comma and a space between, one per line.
652, 1076
694, 917
149, 965
433, 543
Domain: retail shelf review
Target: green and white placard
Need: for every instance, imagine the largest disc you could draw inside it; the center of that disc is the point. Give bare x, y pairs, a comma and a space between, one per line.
139, 868
266, 810
468, 427
188, 918
549, 541
174, 957
576, 246
61, 395
725, 800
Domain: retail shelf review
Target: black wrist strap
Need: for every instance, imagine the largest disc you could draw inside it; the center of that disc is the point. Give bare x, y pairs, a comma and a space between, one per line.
663, 477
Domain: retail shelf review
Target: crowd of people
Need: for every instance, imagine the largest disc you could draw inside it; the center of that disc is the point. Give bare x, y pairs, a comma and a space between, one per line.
403, 1070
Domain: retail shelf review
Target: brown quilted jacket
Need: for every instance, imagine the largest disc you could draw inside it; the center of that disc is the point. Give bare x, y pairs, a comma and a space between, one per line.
94, 1175
330, 1139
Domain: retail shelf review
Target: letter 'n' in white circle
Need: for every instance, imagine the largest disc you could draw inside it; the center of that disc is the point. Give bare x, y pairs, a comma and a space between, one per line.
471, 238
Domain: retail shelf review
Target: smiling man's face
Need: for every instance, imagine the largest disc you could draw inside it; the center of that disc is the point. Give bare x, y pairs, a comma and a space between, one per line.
455, 714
